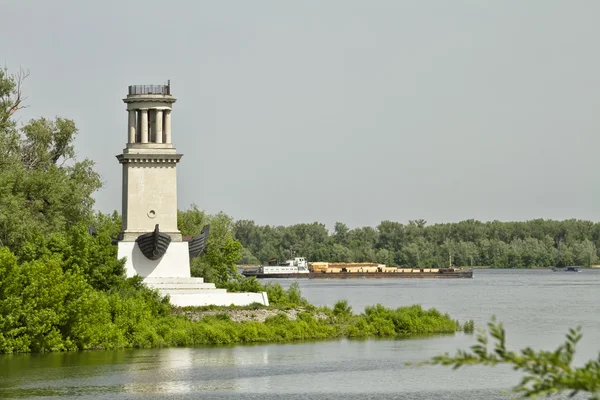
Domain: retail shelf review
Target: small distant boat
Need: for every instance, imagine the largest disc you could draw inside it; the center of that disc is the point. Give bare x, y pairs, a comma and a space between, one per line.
569, 268
154, 245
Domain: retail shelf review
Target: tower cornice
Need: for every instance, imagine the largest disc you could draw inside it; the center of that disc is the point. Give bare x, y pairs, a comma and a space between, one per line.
142, 158
158, 98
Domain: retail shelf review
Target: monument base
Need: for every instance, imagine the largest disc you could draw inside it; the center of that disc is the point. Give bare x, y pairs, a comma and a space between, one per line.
174, 264
186, 292
170, 274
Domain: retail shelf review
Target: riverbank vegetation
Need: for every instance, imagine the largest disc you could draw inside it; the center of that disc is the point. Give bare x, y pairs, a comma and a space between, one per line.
312, 324
52, 302
62, 287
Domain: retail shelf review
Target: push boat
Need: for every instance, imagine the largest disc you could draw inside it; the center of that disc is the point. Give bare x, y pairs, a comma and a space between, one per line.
296, 268
299, 268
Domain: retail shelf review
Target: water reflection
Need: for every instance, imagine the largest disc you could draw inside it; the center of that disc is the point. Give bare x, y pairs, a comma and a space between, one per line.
339, 369
188, 370
164, 372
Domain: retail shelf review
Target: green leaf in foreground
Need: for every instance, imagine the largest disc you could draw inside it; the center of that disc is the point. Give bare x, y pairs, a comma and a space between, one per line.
545, 372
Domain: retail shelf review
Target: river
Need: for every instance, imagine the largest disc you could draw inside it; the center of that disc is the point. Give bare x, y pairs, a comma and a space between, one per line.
536, 306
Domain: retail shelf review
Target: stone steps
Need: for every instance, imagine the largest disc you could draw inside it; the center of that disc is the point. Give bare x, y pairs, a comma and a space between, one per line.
178, 286
186, 291
150, 280
182, 286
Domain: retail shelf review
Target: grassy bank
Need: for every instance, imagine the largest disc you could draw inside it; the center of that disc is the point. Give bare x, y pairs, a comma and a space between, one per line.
196, 327
235, 325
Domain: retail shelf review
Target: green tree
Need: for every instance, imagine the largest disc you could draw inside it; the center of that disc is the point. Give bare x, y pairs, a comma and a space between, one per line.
248, 258
92, 256
420, 253
564, 255
585, 253
384, 256
391, 235
218, 263
340, 233
43, 187
44, 308
340, 253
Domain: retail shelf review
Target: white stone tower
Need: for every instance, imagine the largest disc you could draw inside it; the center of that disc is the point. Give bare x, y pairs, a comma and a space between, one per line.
149, 164
149, 196
149, 240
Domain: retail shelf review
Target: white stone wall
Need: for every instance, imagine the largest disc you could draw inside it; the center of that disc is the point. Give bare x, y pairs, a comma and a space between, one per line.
151, 197
174, 264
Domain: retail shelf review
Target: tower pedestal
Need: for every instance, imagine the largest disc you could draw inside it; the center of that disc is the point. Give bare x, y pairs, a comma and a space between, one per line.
174, 264
170, 275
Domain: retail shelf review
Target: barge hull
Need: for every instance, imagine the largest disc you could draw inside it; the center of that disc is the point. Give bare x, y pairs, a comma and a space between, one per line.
368, 275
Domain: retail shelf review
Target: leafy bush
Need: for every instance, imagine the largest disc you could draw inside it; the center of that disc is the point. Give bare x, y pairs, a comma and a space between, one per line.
93, 257
242, 284
290, 298
43, 308
342, 309
469, 326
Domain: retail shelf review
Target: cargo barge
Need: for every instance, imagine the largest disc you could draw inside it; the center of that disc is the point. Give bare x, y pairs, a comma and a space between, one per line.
298, 268
369, 275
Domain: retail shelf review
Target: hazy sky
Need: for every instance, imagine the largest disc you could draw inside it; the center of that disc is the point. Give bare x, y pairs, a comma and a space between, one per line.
353, 111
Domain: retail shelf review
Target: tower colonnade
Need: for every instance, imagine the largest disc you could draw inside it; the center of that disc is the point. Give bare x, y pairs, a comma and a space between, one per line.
149, 125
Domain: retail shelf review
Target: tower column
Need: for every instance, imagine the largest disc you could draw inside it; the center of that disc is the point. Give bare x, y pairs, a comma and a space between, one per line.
144, 125
167, 126
138, 127
158, 126
132, 125
151, 126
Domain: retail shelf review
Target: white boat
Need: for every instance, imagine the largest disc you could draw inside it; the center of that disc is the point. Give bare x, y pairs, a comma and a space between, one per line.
298, 265
289, 268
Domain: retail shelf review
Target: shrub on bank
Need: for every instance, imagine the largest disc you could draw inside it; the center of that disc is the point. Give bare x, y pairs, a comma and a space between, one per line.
378, 321
381, 321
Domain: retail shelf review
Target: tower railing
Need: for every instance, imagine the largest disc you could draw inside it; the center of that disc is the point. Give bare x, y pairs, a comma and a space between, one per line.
150, 89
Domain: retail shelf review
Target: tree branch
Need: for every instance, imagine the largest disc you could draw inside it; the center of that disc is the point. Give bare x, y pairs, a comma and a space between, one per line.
19, 98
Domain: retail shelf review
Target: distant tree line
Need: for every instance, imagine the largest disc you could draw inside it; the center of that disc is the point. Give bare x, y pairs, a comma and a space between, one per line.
535, 243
